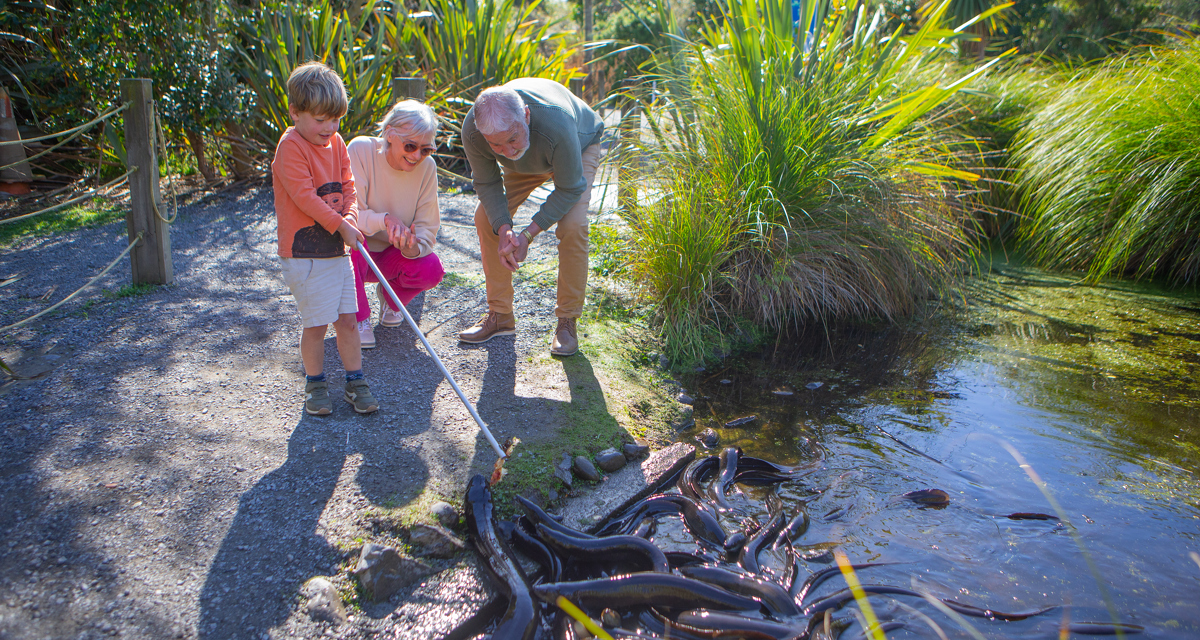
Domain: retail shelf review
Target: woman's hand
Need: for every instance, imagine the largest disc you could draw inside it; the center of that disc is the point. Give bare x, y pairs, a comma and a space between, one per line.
405, 239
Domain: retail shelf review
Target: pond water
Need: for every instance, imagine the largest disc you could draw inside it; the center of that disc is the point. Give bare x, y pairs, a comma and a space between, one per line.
1093, 389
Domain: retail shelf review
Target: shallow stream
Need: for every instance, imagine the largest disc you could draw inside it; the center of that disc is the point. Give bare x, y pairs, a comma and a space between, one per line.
1091, 391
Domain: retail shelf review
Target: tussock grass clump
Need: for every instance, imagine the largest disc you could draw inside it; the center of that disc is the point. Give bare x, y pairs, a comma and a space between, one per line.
790, 185
1111, 169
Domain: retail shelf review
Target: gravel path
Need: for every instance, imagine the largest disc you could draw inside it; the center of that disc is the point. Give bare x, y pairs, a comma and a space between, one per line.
158, 476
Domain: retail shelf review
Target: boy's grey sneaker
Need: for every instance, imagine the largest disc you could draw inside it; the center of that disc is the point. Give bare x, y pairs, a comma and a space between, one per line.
316, 398
358, 394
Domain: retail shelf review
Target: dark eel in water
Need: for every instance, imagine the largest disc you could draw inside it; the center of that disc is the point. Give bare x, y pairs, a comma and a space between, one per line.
728, 467
801, 590
535, 549
642, 589
748, 556
522, 617
537, 515
774, 597
732, 626
700, 521
845, 595
593, 548
691, 481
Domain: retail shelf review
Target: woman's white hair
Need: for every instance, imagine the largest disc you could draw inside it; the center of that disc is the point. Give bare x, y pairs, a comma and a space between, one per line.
497, 109
417, 117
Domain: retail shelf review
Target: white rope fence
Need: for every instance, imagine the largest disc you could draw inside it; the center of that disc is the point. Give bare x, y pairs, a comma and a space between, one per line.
77, 291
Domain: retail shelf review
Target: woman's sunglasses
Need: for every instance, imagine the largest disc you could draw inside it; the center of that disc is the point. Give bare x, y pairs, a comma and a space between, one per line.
410, 147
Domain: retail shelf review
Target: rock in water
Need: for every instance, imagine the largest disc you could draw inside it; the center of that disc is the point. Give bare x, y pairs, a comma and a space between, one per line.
928, 497
324, 604
610, 460
708, 438
382, 571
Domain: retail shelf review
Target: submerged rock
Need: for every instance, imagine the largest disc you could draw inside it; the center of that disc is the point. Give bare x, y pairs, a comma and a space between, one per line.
708, 438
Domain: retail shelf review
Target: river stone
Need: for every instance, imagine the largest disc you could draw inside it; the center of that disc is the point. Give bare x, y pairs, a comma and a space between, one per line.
562, 470
324, 604
685, 398
382, 571
445, 513
434, 540
610, 460
708, 438
634, 451
584, 469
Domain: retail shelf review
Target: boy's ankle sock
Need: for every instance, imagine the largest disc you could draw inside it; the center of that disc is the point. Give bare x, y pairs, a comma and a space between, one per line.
320, 377
354, 375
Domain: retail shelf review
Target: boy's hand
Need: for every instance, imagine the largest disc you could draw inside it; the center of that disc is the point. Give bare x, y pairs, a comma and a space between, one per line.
350, 234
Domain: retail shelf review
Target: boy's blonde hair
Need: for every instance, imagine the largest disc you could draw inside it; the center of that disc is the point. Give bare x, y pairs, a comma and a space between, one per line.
315, 88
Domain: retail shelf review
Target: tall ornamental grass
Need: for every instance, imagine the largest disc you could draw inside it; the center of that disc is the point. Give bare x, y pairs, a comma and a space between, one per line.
276, 37
1111, 168
793, 179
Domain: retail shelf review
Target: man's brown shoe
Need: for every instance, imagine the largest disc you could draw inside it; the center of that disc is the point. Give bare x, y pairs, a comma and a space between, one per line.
492, 324
566, 340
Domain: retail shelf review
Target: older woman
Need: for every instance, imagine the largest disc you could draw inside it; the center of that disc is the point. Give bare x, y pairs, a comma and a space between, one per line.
396, 182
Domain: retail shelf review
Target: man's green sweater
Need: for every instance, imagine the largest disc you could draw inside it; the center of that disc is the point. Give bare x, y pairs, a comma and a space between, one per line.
561, 126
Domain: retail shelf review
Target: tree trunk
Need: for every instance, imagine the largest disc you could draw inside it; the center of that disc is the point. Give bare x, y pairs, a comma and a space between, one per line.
196, 140
239, 158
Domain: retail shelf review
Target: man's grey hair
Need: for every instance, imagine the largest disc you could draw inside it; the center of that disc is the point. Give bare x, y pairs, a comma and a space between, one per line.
497, 109
416, 116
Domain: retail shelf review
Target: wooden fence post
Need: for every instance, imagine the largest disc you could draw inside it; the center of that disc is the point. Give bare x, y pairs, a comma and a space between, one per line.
408, 88
576, 87
151, 258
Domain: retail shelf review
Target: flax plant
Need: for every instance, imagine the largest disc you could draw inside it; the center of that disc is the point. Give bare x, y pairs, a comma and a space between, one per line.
792, 179
465, 46
1111, 169
277, 37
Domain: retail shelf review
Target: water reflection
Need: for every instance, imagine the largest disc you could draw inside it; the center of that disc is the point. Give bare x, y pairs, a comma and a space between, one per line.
1094, 385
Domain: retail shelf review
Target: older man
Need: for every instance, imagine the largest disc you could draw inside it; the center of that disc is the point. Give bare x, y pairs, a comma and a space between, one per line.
518, 136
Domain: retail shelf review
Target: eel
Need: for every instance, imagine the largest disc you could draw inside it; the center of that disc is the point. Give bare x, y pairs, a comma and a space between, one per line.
594, 548
522, 617
727, 467
692, 479
845, 595
537, 550
726, 625
537, 515
801, 591
642, 589
748, 556
795, 528
699, 520
774, 597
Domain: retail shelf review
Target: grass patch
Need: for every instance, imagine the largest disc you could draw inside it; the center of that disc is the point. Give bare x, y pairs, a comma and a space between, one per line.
92, 214
1111, 167
453, 279
614, 395
132, 290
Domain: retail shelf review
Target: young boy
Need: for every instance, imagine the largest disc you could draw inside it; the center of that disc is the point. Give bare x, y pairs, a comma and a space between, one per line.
317, 213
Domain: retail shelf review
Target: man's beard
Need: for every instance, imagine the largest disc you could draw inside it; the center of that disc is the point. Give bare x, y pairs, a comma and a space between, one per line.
519, 155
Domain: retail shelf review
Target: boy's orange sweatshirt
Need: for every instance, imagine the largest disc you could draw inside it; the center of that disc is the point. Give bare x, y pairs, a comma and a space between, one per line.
314, 192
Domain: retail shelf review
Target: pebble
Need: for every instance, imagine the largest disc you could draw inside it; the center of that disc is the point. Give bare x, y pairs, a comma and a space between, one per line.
445, 513
610, 460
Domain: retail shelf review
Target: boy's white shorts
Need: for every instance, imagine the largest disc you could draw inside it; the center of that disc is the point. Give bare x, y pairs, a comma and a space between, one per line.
323, 288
